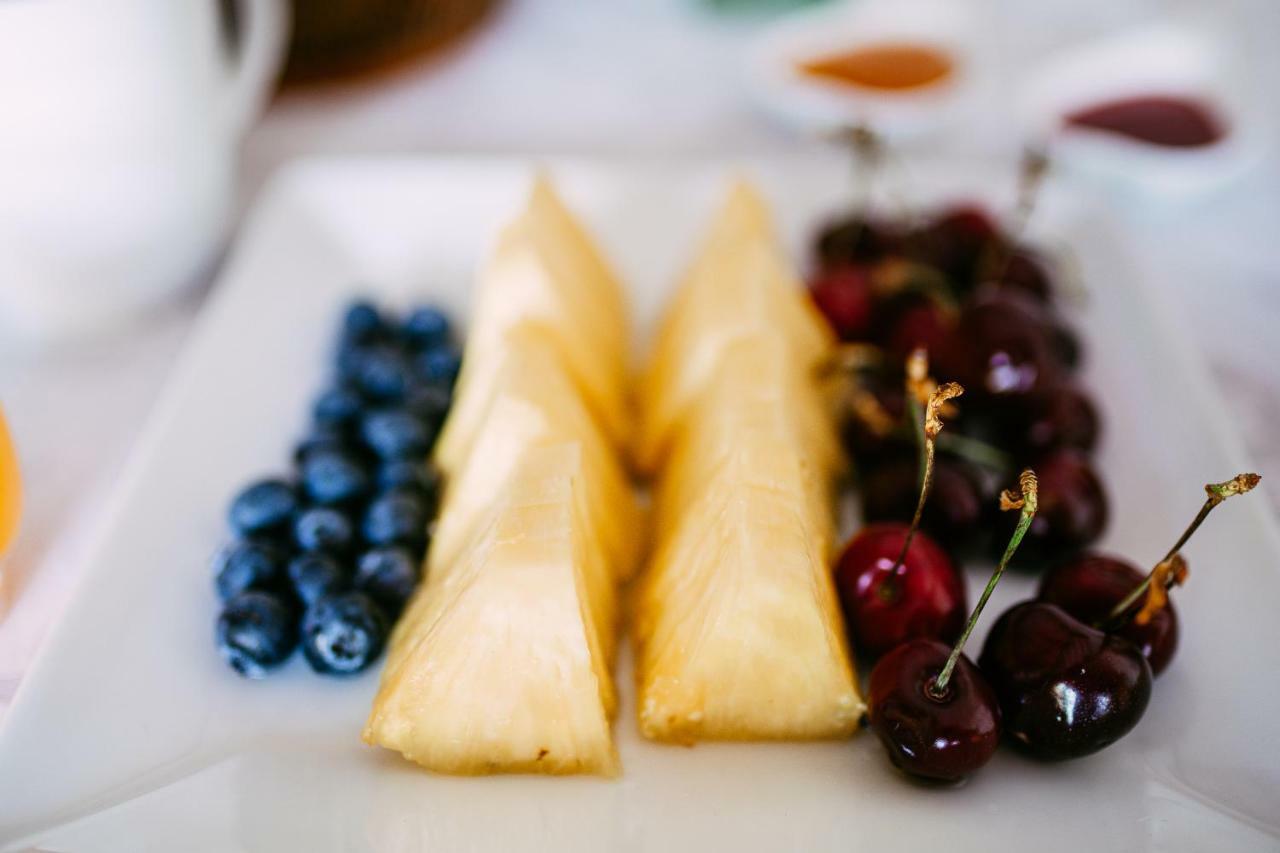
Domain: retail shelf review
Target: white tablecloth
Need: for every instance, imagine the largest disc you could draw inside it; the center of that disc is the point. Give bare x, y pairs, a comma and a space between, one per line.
607, 78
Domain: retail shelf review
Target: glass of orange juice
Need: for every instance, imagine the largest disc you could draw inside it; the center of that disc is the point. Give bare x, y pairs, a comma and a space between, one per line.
10, 488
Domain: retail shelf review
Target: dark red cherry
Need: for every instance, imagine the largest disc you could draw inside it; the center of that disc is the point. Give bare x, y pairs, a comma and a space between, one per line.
844, 296
855, 240
956, 507
1066, 690
957, 242
1002, 347
923, 598
1073, 509
943, 738
861, 440
1063, 416
1026, 274
916, 322
1091, 585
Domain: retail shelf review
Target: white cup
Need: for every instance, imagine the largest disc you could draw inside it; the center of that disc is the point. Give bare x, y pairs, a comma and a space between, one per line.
120, 124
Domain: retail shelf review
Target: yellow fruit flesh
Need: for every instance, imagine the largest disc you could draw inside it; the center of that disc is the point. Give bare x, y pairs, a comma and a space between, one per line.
739, 287
544, 272
501, 661
737, 627
501, 666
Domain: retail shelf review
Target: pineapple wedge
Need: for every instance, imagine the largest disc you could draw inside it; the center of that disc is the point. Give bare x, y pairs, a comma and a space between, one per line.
737, 627
528, 400
754, 387
740, 286
545, 271
501, 664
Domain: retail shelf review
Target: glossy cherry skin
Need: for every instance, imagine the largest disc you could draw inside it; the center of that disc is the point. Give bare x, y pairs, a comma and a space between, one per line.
913, 322
844, 296
1063, 416
940, 739
1091, 585
954, 513
1002, 347
1026, 274
923, 598
957, 242
1066, 690
1073, 509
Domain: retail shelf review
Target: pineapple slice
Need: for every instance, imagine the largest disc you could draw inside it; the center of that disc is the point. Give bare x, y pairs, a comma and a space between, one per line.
501, 665
754, 386
526, 401
739, 286
545, 271
737, 627
10, 488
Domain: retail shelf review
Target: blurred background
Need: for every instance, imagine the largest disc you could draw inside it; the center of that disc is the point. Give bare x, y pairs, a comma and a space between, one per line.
135, 135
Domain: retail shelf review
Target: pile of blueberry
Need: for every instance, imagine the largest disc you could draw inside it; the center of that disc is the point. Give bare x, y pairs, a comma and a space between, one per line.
328, 557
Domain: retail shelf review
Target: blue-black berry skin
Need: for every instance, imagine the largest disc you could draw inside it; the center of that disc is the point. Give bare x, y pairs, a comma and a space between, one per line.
426, 328
242, 566
439, 366
338, 408
382, 373
388, 575
396, 518
414, 476
395, 434
322, 528
362, 323
319, 440
263, 507
342, 634
334, 477
429, 402
315, 575
256, 632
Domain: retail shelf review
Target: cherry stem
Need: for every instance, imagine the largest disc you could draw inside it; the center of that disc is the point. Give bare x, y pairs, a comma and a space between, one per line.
930, 425
976, 451
1217, 493
1027, 501
1034, 167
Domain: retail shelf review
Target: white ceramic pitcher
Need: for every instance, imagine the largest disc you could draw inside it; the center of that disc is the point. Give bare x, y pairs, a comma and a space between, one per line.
120, 122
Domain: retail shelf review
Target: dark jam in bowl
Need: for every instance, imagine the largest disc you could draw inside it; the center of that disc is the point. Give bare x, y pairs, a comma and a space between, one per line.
1168, 121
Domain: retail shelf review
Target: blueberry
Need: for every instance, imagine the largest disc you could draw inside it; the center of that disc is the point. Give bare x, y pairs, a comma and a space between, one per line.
263, 507
321, 439
323, 528
430, 403
439, 366
396, 518
332, 477
315, 575
343, 633
418, 478
338, 408
426, 328
362, 323
242, 566
388, 575
395, 434
256, 631
382, 374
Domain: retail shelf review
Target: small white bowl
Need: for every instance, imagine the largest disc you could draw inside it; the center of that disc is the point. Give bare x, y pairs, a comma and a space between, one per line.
777, 81
1165, 60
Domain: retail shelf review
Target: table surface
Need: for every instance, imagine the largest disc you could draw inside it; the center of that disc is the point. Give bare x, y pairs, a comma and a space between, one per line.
563, 77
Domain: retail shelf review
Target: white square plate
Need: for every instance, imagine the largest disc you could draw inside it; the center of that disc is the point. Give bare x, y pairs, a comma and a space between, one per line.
130, 733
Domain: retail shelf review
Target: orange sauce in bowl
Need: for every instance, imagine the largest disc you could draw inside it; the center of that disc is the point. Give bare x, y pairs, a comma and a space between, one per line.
10, 488
890, 66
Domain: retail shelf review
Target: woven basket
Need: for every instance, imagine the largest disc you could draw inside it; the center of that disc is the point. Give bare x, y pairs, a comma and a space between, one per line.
340, 38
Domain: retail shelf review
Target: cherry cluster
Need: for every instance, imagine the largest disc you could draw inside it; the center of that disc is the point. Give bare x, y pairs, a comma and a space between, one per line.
983, 307
1063, 675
